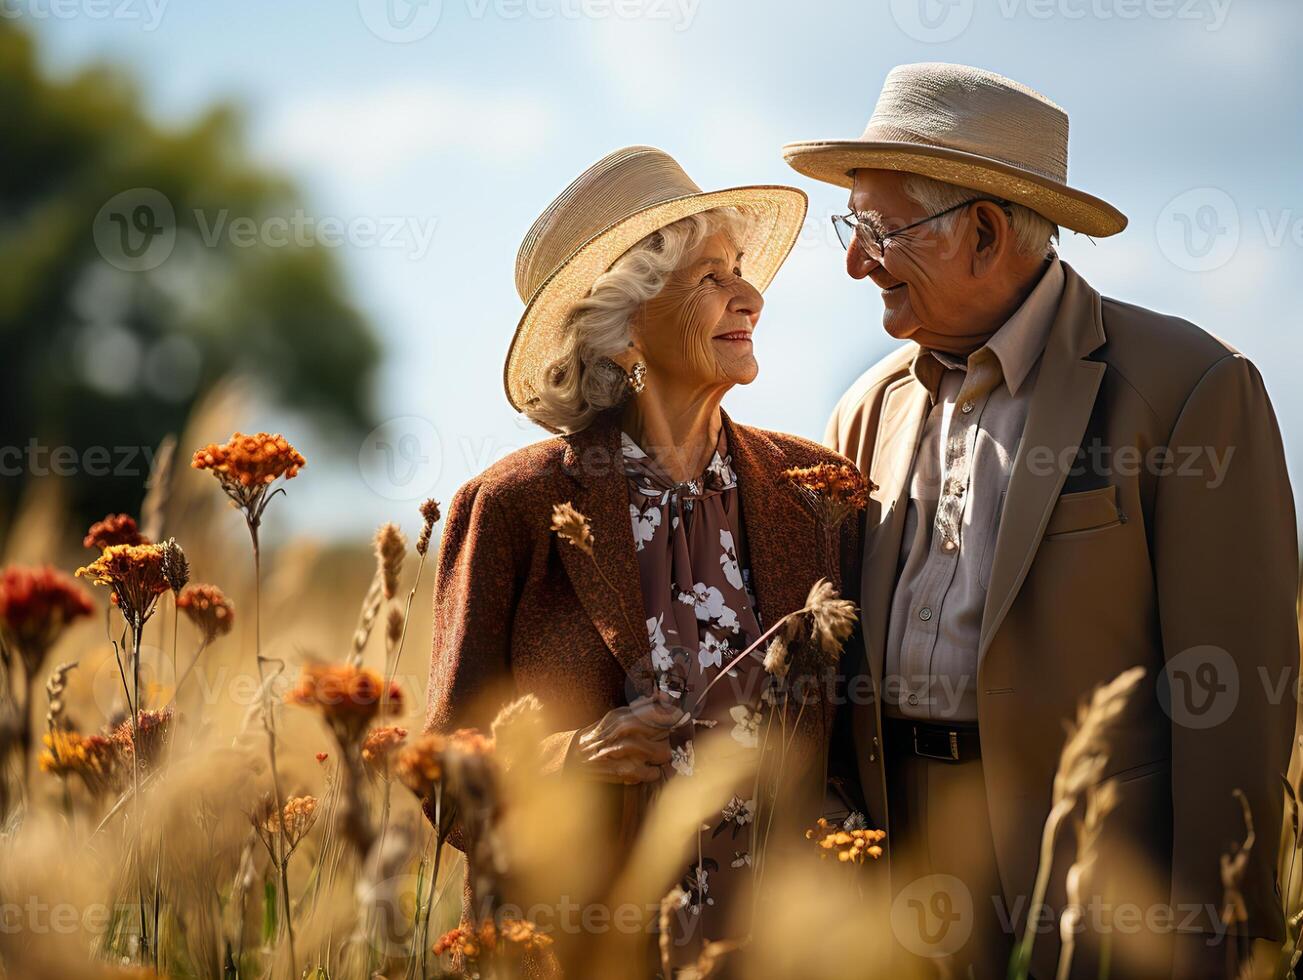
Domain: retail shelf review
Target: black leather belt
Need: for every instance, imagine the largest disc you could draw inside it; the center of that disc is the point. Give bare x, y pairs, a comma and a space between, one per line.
949, 743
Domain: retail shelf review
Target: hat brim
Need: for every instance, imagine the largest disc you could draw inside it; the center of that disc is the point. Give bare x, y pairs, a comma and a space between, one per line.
776, 215
834, 162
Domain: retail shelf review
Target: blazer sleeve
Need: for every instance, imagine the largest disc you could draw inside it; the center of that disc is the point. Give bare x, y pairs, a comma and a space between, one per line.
1226, 564
481, 567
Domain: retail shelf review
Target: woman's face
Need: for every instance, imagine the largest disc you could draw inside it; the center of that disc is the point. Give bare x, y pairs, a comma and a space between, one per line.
697, 331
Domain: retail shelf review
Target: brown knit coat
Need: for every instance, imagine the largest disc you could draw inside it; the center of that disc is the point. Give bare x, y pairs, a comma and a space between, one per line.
518, 611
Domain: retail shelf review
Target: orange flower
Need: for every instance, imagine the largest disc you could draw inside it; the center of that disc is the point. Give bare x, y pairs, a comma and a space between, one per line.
36, 606
152, 733
96, 760
247, 466
210, 610
136, 574
831, 491
114, 529
849, 846
420, 766
379, 746
348, 697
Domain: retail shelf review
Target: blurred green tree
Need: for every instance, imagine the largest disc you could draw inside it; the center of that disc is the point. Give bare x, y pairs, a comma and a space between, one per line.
137, 268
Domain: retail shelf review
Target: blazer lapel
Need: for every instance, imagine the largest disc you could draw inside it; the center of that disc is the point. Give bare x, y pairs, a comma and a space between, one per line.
1057, 416
904, 409
608, 583
782, 569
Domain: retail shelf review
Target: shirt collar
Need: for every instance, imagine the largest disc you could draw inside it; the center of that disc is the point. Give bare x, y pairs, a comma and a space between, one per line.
1017, 345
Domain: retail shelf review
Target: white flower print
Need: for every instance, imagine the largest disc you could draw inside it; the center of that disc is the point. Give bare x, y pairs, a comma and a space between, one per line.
683, 758
746, 725
736, 814
630, 449
711, 651
708, 603
645, 523
728, 560
660, 653
741, 859
721, 469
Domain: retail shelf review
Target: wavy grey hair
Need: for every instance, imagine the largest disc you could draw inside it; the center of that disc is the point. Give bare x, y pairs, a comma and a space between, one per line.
1032, 233
583, 380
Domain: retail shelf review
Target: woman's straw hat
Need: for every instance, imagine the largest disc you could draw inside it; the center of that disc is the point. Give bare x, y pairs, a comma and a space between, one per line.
968, 127
609, 208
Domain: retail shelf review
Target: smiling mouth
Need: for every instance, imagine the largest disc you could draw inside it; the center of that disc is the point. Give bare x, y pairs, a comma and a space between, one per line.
737, 336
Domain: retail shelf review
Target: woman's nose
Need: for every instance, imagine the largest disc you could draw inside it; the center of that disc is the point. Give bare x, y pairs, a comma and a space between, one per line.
858, 263
746, 300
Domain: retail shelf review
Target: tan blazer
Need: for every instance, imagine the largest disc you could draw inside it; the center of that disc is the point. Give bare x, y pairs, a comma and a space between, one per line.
1117, 558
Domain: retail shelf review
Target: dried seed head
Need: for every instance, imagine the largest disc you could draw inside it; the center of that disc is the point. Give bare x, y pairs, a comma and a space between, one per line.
831, 619
429, 517
572, 527
394, 627
391, 547
176, 569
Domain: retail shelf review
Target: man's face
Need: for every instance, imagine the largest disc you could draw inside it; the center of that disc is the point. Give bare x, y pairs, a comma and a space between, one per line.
926, 274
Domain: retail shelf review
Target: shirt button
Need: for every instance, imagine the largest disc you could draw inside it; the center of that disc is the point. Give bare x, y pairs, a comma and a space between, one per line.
913, 699
966, 407
925, 613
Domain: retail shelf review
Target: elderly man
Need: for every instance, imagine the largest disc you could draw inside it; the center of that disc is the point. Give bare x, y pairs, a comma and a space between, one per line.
1067, 487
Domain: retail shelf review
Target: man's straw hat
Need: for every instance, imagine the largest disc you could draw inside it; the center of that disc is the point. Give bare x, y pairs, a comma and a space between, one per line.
609, 208
969, 127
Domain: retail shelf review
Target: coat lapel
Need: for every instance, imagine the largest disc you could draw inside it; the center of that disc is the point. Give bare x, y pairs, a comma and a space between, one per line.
904, 409
782, 569
607, 583
1060, 409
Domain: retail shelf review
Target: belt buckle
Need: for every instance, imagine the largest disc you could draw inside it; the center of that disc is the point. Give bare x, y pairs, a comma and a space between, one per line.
937, 745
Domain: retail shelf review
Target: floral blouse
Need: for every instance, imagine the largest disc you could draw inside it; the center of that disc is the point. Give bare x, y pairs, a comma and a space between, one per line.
701, 613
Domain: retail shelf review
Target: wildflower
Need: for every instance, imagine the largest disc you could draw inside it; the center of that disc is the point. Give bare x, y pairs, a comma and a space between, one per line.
833, 492
176, 570
391, 546
572, 527
348, 697
379, 747
36, 606
114, 529
430, 517
247, 465
136, 574
831, 619
394, 627
208, 609
518, 728
776, 657
848, 846
422, 765
461, 941
292, 823
94, 759
149, 734
523, 934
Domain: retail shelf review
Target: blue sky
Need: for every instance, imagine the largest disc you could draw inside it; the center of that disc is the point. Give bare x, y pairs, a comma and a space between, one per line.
456, 130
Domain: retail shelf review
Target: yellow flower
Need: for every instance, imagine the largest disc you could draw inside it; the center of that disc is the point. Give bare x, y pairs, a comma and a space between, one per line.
135, 572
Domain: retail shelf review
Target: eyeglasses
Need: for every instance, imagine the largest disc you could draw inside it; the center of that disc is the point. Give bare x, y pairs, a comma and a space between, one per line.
852, 225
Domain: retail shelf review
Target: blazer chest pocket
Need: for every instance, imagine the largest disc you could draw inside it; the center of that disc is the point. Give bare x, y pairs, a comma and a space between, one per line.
1079, 513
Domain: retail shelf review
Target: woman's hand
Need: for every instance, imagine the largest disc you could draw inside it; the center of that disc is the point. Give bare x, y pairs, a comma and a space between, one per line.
629, 745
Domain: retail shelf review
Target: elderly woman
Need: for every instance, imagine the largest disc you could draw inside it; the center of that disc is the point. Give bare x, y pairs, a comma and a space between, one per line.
642, 297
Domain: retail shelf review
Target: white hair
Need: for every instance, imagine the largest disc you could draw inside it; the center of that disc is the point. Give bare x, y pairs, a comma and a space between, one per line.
1032, 234
583, 379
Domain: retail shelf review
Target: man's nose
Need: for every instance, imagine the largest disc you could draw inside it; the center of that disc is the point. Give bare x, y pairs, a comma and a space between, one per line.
858, 263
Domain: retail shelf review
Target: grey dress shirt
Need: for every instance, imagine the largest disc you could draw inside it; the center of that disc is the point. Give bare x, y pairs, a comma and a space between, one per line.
967, 447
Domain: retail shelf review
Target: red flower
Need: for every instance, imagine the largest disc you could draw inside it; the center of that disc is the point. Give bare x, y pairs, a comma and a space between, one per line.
36, 606
114, 529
